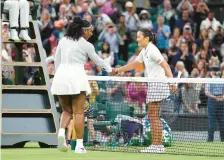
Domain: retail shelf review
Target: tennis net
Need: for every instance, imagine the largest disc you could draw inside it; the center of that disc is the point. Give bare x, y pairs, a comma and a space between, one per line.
192, 118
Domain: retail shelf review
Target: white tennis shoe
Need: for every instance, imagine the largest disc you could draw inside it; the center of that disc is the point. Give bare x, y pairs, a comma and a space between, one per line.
61, 141
80, 150
154, 149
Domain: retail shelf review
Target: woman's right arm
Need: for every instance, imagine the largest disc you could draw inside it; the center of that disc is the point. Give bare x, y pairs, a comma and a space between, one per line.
128, 67
132, 65
90, 50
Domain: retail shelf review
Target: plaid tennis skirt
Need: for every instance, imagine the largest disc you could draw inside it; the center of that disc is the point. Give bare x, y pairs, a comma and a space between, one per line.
157, 91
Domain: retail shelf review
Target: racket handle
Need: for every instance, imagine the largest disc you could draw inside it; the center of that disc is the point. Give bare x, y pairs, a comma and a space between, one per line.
178, 76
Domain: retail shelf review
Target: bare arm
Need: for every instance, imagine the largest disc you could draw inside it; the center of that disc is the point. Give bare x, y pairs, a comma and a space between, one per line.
167, 69
128, 67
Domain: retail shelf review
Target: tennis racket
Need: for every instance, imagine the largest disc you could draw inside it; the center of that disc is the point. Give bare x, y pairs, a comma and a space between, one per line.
170, 106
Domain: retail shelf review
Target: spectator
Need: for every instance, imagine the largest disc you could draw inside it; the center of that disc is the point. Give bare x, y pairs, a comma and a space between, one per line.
93, 84
145, 22
163, 33
85, 10
191, 94
102, 22
99, 3
218, 39
5, 31
106, 53
185, 5
137, 92
92, 99
77, 8
195, 4
180, 67
60, 27
93, 39
207, 47
131, 19
211, 24
8, 72
51, 42
183, 20
214, 62
185, 56
46, 4
123, 32
188, 36
45, 24
122, 28
177, 36
202, 55
200, 15
109, 9
202, 68
115, 90
141, 5
68, 8
168, 13
62, 14
215, 93
194, 49
50, 67
111, 36
203, 36
172, 51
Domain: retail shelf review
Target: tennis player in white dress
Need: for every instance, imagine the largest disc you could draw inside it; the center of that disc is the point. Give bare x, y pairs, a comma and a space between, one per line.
155, 67
70, 82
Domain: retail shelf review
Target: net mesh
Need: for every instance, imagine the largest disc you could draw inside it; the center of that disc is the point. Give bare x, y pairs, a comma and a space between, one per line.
192, 118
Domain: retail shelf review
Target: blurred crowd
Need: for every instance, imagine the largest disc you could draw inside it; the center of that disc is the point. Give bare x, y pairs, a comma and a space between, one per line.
188, 35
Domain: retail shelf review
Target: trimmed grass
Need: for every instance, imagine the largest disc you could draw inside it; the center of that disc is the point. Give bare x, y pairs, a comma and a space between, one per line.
32, 152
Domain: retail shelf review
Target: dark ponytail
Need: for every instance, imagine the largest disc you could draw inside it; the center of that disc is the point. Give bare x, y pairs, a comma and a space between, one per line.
148, 33
74, 29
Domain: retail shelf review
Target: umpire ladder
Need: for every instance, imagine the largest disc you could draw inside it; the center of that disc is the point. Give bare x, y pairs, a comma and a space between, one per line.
28, 111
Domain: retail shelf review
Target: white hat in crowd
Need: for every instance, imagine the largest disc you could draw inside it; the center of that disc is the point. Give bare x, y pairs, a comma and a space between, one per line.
144, 12
129, 4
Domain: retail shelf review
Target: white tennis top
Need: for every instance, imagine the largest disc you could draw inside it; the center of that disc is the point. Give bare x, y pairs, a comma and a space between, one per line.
70, 77
78, 52
152, 57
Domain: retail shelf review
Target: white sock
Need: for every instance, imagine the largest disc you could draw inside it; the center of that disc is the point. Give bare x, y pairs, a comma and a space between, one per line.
61, 131
79, 142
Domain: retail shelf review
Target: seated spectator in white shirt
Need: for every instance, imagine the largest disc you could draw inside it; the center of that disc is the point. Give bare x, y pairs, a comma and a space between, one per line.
131, 19
145, 22
211, 24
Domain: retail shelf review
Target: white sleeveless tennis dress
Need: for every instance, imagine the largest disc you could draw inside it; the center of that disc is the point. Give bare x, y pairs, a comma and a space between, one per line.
152, 57
70, 77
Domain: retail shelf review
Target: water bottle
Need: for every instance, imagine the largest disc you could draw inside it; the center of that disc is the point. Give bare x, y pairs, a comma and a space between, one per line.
121, 140
104, 140
141, 140
113, 141
143, 108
